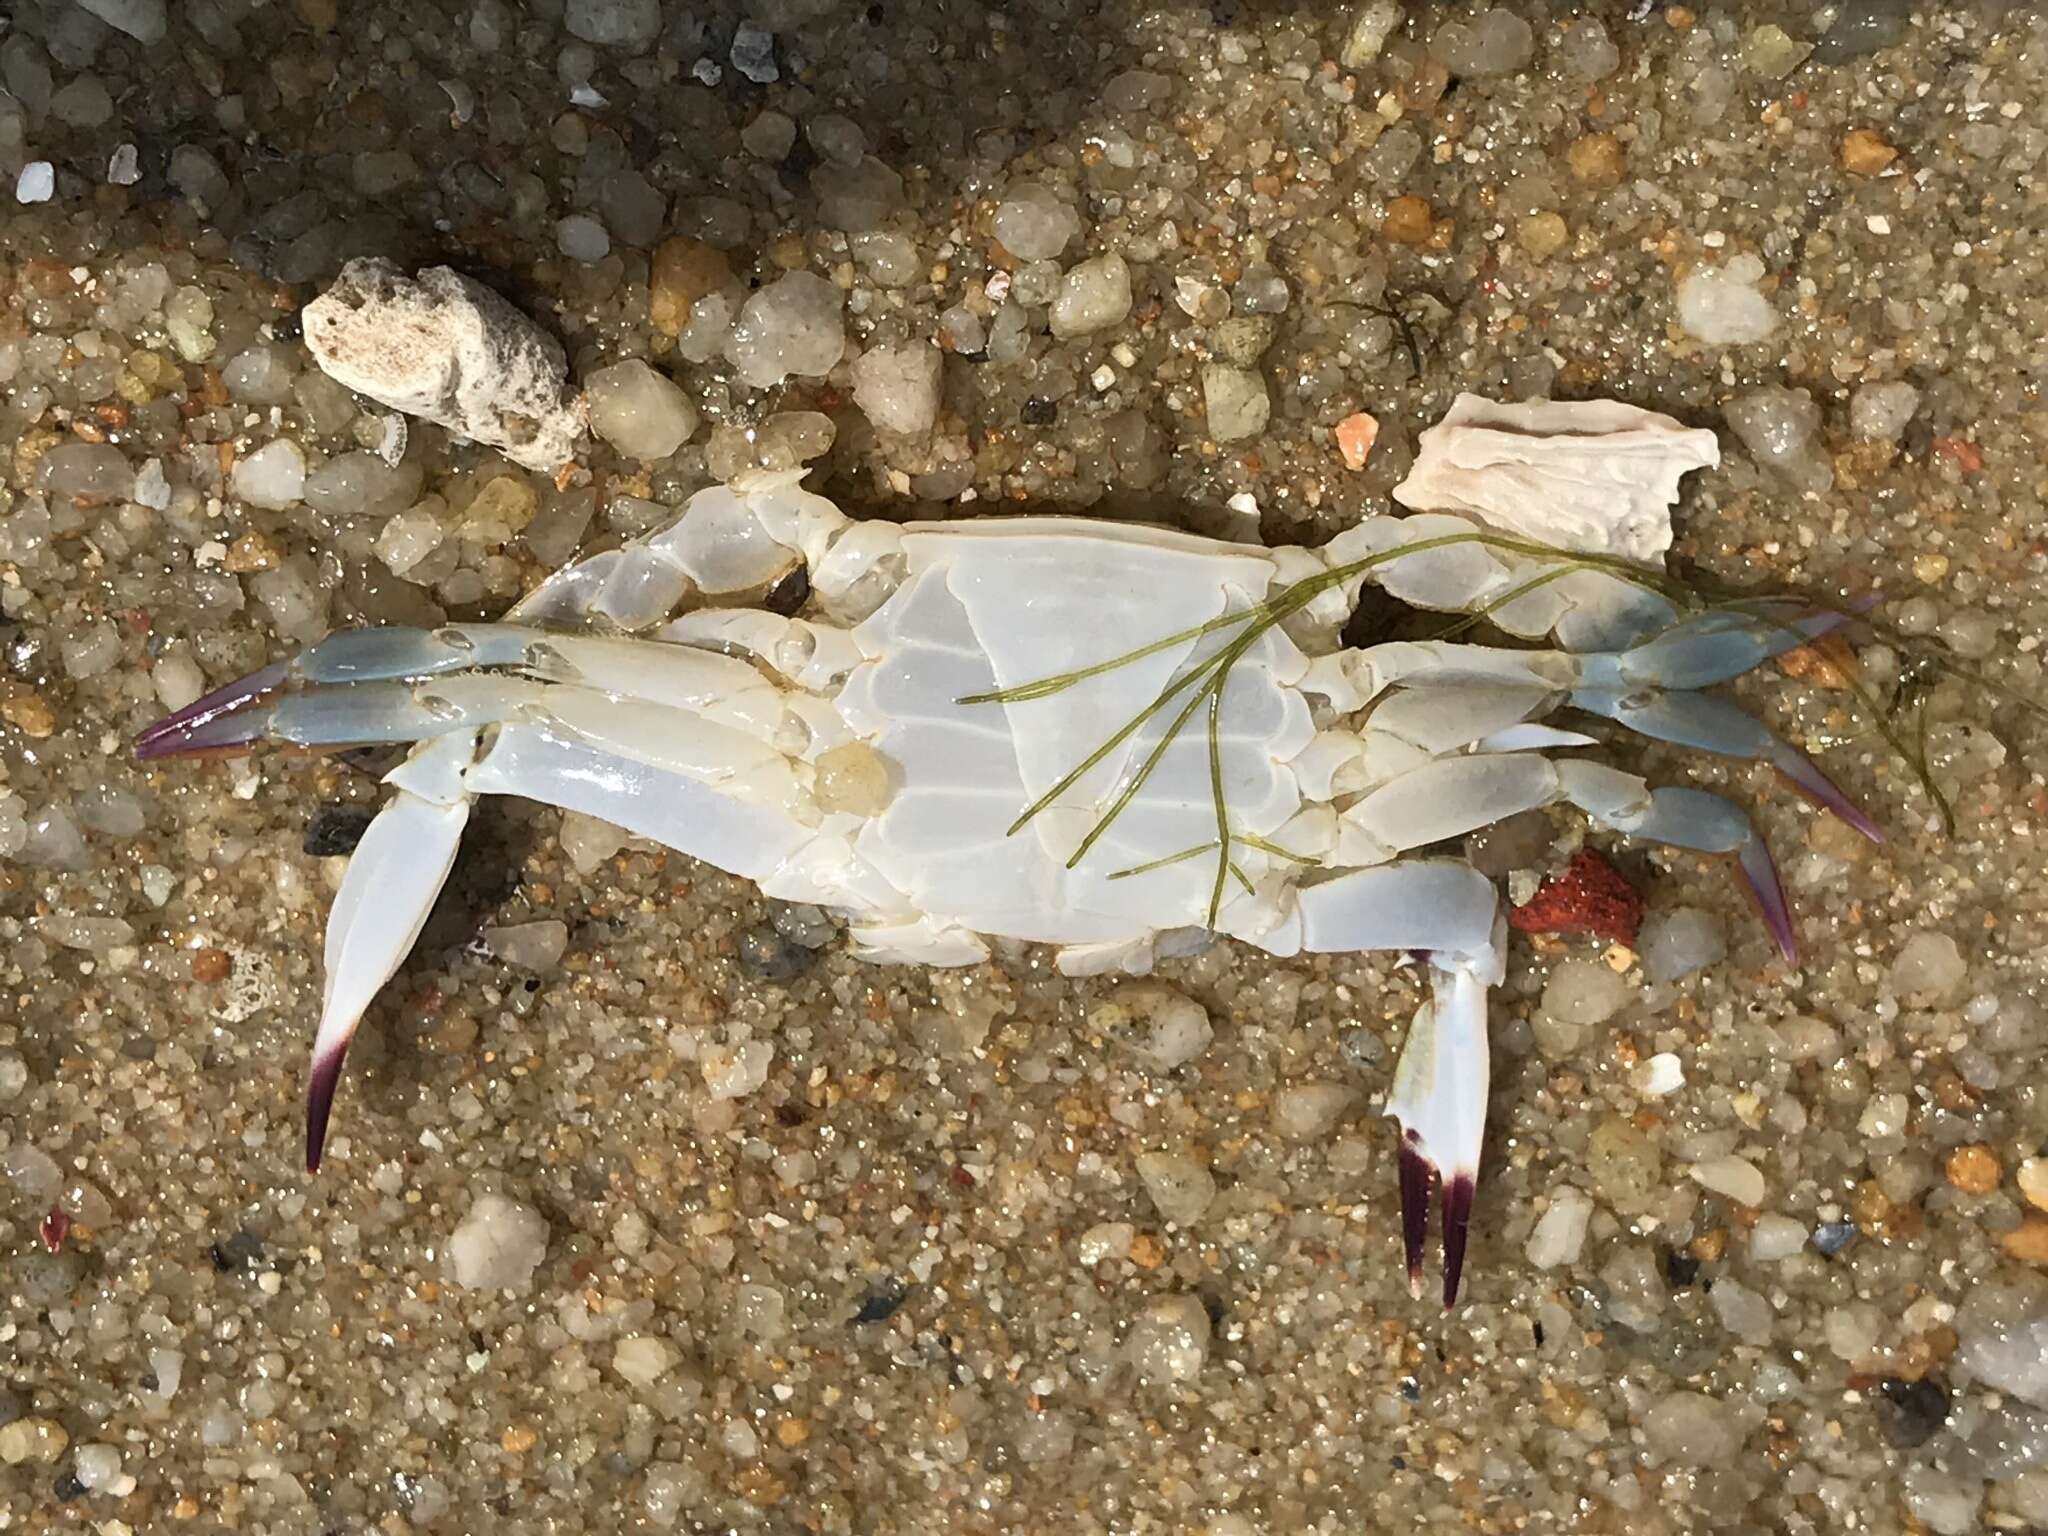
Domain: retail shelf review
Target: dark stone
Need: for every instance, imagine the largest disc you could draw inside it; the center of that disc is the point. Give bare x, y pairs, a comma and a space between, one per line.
765, 955
336, 829
67, 1487
244, 1250
1915, 1410
1681, 1269
1040, 412
881, 1304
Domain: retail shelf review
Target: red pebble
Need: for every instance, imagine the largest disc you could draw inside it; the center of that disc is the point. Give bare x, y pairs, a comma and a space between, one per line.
55, 1228
1591, 896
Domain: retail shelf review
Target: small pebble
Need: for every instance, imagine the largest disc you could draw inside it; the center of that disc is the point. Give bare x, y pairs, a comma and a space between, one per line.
1675, 944
1775, 1237
1093, 296
1732, 1178
1865, 153
1178, 1027
1310, 1110
638, 411
1169, 1342
1181, 1188
898, 387
641, 1361
1560, 1232
1691, 1428
497, 1245
1355, 436
1722, 306
792, 326
1103, 1241
273, 477
1034, 223
536, 947
36, 183
2033, 1182
1929, 969
1878, 413
1238, 404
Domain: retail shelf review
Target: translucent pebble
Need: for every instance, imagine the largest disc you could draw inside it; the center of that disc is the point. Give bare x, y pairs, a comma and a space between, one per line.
1496, 42
1169, 1342
1238, 405
760, 1312
857, 198
853, 778
837, 138
36, 183
962, 330
408, 539
1309, 1110
1878, 413
54, 841
1852, 1330
1043, 1436
124, 165
157, 884
588, 842
1732, 1178
1105, 1240
1584, 52
536, 947
770, 136
581, 238
1034, 223
89, 651
1093, 296
13, 1075
168, 1366
1779, 427
642, 1361
792, 326
887, 257
1692, 1428
33, 1173
95, 935
1657, 1076
109, 811
261, 375
753, 53
199, 178
1775, 1237
1676, 943
733, 1072
1371, 26
640, 412
361, 484
898, 387
668, 1491
94, 472
1584, 992
1181, 1188
1929, 967
84, 103
1723, 306
1260, 291
296, 606
1560, 1232
1943, 1502
274, 476
1178, 1027
634, 209
144, 20
497, 1245
1742, 1311
98, 1467
630, 24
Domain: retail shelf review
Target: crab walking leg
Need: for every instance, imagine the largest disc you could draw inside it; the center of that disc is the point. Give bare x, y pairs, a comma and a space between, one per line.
1455, 795
1448, 910
393, 878
1714, 725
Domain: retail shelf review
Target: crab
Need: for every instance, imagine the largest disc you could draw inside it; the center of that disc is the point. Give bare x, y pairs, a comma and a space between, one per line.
1117, 740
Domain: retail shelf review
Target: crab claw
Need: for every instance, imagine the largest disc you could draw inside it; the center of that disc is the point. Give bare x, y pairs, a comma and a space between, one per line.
1439, 1100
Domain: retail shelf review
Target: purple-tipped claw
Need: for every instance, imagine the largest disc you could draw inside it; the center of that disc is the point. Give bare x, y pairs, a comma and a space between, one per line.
1804, 774
320, 1101
1761, 873
217, 720
1457, 1201
1415, 1174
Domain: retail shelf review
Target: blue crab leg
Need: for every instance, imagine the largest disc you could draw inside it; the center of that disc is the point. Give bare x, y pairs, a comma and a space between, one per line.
393, 878
1685, 818
1711, 647
1711, 724
1449, 912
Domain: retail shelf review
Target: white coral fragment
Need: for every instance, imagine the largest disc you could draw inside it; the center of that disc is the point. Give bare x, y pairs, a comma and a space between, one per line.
446, 348
1590, 475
